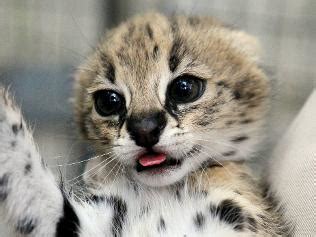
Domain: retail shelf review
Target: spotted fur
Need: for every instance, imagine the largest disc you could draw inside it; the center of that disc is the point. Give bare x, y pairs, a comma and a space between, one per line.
212, 192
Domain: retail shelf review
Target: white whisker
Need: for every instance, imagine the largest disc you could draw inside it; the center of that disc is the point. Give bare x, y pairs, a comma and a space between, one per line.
88, 171
79, 162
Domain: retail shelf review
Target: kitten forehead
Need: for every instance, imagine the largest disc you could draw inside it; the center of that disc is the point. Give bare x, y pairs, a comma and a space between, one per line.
142, 46
133, 54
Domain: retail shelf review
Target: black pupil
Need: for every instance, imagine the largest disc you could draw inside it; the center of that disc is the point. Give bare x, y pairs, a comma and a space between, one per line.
185, 89
107, 102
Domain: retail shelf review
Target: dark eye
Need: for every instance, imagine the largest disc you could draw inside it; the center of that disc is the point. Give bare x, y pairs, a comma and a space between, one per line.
108, 102
185, 89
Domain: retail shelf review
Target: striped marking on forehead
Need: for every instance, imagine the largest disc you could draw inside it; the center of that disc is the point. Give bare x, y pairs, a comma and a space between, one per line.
149, 31
107, 67
138, 46
176, 54
178, 49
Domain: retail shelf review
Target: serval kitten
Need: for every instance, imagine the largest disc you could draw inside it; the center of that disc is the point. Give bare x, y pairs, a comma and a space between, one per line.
173, 107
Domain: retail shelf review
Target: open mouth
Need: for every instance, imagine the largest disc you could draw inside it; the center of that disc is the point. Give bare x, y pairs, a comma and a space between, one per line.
156, 162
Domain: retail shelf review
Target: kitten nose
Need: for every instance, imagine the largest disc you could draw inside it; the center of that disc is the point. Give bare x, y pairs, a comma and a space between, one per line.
145, 130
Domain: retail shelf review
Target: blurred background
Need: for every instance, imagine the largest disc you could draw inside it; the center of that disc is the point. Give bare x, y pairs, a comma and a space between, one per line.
43, 41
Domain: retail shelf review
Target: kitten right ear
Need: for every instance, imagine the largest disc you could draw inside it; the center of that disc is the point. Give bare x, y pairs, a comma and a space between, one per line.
246, 44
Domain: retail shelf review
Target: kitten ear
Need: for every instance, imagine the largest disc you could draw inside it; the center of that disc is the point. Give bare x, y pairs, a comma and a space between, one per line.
246, 44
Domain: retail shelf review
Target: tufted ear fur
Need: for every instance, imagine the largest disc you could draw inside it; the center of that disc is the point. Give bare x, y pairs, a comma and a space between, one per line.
246, 44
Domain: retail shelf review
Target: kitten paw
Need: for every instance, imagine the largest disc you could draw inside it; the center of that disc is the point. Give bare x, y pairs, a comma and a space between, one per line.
14, 136
11, 121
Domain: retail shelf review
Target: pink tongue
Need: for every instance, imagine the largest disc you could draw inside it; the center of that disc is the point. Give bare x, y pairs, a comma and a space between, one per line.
150, 160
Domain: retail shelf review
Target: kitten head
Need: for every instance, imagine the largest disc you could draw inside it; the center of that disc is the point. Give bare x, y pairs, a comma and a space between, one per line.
163, 97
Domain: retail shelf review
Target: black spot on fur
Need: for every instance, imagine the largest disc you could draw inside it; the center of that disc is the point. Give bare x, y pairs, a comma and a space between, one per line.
155, 51
253, 105
192, 108
174, 59
27, 168
193, 21
204, 193
222, 83
15, 129
210, 163
149, 31
237, 95
239, 139
68, 224
161, 225
97, 199
177, 52
178, 188
230, 122
196, 149
120, 210
246, 121
229, 212
211, 110
219, 92
252, 224
108, 67
199, 220
179, 134
111, 73
178, 194
26, 226
13, 144
203, 123
4, 180
229, 153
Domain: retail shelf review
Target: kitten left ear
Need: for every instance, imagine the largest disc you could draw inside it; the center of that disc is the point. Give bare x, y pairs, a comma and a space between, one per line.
246, 44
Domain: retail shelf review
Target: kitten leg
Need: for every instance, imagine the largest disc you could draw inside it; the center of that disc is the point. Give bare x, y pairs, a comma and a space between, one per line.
30, 200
